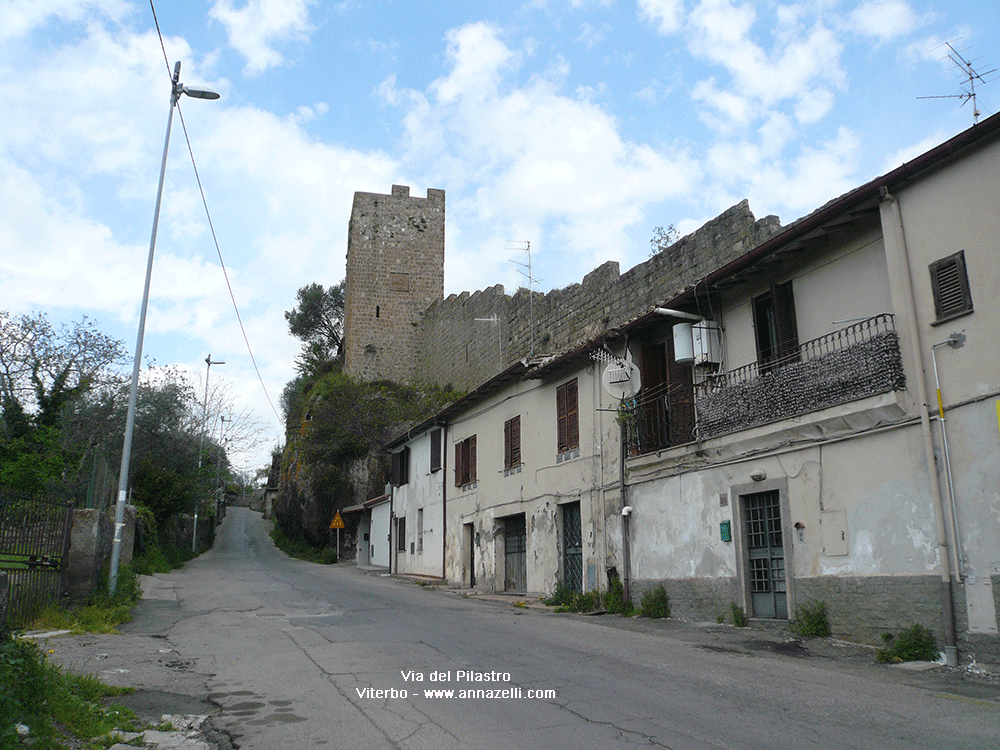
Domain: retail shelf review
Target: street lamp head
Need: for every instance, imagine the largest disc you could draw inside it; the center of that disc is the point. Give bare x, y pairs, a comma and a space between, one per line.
197, 93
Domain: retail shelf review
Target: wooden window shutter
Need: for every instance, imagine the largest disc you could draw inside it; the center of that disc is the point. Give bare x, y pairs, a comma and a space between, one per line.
508, 445
784, 320
561, 418
572, 416
680, 399
515, 439
470, 457
435, 450
950, 287
459, 463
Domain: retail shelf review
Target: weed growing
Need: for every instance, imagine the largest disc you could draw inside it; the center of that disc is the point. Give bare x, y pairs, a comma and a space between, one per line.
614, 599
740, 618
301, 549
52, 703
811, 620
565, 599
655, 603
102, 613
916, 643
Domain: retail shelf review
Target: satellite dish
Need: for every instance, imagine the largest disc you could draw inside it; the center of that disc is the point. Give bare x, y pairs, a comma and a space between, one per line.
621, 378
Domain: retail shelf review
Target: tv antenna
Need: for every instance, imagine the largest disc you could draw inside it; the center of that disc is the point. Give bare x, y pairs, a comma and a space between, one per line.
516, 245
971, 77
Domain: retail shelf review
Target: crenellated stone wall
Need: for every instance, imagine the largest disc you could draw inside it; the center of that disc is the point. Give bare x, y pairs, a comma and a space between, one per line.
399, 327
458, 344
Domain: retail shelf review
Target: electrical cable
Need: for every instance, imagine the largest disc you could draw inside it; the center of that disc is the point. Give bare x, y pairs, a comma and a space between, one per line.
211, 226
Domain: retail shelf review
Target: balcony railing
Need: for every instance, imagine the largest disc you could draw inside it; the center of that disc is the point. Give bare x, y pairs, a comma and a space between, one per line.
855, 362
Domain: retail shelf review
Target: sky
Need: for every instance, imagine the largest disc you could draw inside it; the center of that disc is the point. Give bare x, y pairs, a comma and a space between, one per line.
576, 125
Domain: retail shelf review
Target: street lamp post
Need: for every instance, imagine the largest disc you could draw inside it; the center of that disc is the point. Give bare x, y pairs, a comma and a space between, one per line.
201, 443
177, 88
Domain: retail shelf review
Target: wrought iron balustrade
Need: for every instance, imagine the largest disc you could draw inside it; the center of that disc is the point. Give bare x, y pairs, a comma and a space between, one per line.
860, 360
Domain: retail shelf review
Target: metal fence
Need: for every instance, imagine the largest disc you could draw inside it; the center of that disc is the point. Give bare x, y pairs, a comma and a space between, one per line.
34, 548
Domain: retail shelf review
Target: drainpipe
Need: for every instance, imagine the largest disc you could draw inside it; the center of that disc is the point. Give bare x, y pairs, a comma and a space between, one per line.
626, 512
444, 503
891, 216
957, 556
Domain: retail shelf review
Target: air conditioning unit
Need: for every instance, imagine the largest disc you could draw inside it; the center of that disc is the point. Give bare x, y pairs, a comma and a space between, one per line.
707, 343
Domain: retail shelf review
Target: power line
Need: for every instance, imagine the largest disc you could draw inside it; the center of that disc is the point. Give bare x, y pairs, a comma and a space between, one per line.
211, 227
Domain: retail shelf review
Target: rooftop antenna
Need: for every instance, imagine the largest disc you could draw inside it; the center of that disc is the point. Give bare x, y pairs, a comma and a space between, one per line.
971, 77
516, 245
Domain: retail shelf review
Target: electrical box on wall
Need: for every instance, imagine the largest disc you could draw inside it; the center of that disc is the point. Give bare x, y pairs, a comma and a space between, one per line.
726, 531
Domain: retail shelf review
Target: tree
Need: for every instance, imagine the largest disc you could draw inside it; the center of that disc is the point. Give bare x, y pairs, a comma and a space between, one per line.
662, 239
318, 321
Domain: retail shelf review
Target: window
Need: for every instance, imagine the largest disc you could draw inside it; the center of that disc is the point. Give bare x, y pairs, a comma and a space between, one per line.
512, 443
775, 328
401, 534
465, 461
567, 417
950, 287
399, 467
420, 529
435, 450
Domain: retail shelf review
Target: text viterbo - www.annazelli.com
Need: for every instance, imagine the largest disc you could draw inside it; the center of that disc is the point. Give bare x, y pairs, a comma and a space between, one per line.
490, 693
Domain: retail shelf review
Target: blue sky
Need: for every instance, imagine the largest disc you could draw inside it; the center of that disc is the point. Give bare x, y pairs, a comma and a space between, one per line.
579, 125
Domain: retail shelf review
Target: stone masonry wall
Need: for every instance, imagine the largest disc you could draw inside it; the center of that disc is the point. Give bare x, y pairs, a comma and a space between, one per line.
454, 347
395, 270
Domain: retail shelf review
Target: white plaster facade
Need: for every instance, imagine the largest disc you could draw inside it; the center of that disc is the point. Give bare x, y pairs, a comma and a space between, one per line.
865, 507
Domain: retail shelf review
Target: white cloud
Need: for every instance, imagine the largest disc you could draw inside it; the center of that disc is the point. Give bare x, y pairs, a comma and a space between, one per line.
529, 162
665, 15
803, 62
884, 19
258, 27
19, 17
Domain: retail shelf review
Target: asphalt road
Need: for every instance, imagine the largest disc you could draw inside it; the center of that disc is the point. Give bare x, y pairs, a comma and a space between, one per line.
300, 656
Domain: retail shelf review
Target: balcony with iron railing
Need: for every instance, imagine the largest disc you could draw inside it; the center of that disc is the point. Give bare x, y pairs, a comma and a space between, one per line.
846, 365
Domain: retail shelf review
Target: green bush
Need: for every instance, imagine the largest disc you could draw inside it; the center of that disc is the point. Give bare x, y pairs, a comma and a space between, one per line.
562, 595
740, 618
587, 602
916, 643
614, 599
328, 556
655, 603
811, 620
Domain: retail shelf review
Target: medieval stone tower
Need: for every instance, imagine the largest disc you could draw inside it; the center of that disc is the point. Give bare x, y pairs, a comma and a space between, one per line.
395, 271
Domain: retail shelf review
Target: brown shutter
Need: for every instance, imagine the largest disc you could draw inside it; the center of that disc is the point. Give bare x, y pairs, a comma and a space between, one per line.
470, 457
950, 286
572, 416
435, 450
653, 371
561, 431
515, 441
680, 399
459, 464
784, 321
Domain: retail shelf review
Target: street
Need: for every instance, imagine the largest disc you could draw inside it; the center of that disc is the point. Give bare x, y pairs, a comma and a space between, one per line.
301, 655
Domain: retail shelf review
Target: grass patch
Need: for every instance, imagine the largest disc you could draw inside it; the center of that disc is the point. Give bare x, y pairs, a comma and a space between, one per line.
53, 704
302, 550
156, 560
811, 620
916, 643
102, 613
655, 604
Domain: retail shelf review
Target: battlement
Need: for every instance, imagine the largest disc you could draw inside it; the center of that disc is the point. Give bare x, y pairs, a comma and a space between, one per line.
399, 326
